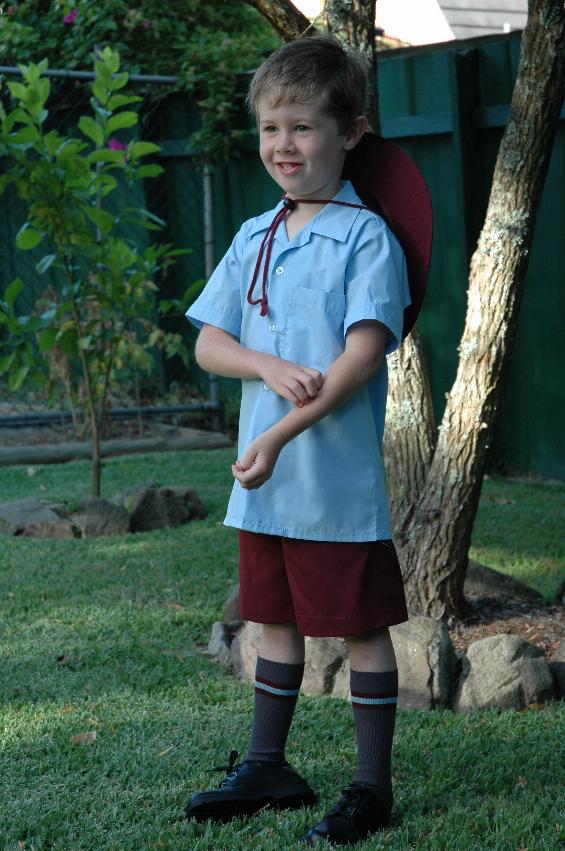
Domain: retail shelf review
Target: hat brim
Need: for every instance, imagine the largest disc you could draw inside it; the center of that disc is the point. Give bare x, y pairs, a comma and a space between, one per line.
389, 182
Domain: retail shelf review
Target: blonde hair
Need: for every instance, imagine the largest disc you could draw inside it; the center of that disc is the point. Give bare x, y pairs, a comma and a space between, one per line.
313, 69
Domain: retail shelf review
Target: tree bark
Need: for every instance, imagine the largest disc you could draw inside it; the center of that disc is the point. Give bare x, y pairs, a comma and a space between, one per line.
410, 432
353, 23
285, 18
435, 542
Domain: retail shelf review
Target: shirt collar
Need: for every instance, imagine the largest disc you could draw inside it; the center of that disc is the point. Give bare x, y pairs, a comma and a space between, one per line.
333, 221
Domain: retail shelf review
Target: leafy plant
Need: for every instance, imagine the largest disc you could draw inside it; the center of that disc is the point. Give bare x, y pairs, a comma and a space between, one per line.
208, 46
102, 314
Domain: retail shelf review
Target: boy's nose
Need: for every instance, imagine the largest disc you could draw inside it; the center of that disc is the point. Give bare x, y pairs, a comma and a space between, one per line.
285, 143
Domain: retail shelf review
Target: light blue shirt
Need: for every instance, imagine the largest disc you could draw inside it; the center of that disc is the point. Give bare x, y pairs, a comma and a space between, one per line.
344, 266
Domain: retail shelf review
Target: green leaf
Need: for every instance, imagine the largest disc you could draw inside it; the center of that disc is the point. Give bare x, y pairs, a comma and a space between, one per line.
45, 263
52, 142
25, 136
150, 170
106, 155
47, 339
84, 342
119, 81
121, 120
142, 149
17, 378
12, 292
116, 101
18, 91
102, 219
100, 92
92, 129
6, 363
28, 237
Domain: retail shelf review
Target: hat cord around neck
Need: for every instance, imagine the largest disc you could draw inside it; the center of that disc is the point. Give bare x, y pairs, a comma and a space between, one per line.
289, 204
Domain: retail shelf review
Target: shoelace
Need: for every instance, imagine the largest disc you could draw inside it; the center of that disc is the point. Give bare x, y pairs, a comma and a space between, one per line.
289, 204
351, 796
231, 768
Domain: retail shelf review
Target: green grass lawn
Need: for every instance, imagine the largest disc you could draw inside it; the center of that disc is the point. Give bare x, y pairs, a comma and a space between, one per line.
103, 636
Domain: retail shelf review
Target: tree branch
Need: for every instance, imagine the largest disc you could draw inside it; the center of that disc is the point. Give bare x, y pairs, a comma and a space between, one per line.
285, 18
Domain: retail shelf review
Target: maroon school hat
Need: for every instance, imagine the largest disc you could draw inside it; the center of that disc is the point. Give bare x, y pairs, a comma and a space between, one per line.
389, 182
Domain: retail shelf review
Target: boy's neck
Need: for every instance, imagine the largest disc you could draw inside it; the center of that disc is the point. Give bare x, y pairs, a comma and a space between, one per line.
302, 213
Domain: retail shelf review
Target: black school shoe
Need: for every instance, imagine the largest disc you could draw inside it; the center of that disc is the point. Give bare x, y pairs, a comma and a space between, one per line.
249, 787
357, 814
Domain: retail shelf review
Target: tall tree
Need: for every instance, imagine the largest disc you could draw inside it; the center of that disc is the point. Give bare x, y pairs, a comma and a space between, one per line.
435, 475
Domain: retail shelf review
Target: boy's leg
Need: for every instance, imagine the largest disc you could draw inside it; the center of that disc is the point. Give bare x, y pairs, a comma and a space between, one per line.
374, 695
278, 677
366, 804
264, 778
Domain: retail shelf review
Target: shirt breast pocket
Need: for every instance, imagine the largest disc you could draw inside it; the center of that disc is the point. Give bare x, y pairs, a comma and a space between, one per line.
314, 334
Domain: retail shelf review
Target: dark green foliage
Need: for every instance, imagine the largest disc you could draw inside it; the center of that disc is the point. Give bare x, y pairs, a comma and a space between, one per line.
208, 44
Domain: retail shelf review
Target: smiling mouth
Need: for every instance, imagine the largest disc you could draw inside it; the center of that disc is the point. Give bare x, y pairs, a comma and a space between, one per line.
289, 168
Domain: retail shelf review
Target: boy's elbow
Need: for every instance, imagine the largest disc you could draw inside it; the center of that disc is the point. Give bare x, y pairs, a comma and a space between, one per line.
202, 350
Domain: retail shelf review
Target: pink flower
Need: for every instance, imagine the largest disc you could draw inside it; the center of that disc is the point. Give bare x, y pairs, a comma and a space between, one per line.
11, 10
116, 145
70, 18
146, 23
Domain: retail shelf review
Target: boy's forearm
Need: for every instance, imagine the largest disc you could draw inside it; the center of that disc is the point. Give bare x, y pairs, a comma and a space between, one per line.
218, 352
346, 376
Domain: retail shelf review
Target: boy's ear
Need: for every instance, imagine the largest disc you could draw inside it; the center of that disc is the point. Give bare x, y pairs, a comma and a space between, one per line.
355, 133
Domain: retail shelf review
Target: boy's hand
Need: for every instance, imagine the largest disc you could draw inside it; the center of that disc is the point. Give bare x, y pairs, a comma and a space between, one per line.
299, 384
258, 462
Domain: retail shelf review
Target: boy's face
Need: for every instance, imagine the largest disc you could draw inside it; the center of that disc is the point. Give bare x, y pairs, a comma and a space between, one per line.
303, 149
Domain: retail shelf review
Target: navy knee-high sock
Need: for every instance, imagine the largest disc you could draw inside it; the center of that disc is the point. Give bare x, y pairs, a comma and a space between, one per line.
277, 685
373, 698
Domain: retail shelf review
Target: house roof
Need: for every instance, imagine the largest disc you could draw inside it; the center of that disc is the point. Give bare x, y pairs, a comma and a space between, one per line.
468, 18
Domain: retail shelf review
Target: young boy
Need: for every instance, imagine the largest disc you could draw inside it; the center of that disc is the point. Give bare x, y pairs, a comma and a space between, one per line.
303, 308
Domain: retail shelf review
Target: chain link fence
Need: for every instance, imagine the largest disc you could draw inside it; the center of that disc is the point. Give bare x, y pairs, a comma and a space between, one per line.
181, 196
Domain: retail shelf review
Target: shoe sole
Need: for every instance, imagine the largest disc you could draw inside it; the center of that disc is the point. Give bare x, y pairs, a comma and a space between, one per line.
227, 810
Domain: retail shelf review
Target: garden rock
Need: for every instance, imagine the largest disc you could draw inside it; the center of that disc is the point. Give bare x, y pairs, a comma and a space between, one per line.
61, 529
426, 664
231, 610
483, 581
158, 508
557, 667
220, 641
503, 671
103, 518
33, 515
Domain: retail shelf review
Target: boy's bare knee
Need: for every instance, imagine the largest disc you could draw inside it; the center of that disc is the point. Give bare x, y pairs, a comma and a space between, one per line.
281, 642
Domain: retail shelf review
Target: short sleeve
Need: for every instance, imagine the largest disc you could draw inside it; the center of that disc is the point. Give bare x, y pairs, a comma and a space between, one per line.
376, 282
219, 303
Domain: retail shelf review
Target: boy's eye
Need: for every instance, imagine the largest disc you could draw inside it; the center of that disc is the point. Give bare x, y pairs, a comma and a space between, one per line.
269, 129
302, 128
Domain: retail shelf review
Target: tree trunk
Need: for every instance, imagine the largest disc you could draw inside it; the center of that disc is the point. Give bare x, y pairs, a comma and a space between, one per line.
435, 542
353, 23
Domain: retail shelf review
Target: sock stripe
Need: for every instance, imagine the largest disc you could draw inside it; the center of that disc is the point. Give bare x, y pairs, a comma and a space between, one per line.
271, 689
359, 702
374, 695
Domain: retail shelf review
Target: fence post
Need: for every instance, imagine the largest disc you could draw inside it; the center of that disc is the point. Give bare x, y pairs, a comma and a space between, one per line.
209, 268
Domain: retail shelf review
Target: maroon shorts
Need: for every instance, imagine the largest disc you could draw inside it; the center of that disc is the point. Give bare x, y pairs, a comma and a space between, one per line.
327, 588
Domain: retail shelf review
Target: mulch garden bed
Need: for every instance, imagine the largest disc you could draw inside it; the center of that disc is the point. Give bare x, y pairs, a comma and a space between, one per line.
543, 626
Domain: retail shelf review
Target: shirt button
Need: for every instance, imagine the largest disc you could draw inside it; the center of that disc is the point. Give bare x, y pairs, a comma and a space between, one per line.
266, 387
279, 270
272, 327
